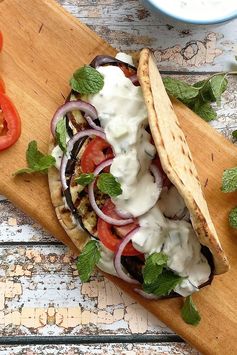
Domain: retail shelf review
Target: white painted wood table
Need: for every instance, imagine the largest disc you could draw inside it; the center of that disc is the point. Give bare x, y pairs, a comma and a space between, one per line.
40, 291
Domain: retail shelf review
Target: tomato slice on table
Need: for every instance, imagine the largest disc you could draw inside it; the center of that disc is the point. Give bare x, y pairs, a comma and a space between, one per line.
10, 123
96, 151
106, 232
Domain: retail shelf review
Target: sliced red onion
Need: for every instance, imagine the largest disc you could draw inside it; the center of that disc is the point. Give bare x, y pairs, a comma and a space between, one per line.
101, 60
118, 254
123, 214
148, 296
70, 144
69, 106
157, 175
110, 220
92, 124
134, 79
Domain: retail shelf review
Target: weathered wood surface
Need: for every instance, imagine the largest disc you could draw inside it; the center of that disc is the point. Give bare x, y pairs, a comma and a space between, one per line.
127, 25
40, 291
101, 349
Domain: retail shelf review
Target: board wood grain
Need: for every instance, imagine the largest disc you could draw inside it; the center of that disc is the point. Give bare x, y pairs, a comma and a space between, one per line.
43, 45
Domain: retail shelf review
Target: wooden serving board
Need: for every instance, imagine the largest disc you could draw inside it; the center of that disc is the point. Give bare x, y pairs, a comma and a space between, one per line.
43, 45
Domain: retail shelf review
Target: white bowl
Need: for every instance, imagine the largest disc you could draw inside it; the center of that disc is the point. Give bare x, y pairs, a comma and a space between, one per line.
196, 11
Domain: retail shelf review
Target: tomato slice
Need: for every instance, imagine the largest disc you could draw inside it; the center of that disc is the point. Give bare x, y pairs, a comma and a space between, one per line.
2, 86
96, 151
10, 123
1, 41
127, 70
106, 231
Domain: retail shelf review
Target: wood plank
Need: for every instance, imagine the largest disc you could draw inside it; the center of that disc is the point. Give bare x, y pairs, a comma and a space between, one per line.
41, 294
112, 349
127, 25
26, 55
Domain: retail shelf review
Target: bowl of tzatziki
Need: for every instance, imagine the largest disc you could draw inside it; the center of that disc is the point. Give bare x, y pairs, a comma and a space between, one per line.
196, 11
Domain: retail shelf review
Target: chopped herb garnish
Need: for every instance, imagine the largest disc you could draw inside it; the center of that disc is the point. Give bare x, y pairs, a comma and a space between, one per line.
87, 80
109, 185
157, 278
61, 134
189, 312
234, 134
85, 179
154, 266
229, 180
36, 161
88, 259
233, 218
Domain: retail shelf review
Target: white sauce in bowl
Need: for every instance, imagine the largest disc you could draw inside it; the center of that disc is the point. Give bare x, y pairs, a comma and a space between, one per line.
198, 10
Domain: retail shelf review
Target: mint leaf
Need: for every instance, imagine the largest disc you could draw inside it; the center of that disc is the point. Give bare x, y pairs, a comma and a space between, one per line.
164, 284
61, 134
180, 89
109, 185
87, 80
204, 110
36, 161
85, 179
199, 95
153, 267
234, 134
229, 180
233, 218
218, 85
87, 260
189, 312
33, 155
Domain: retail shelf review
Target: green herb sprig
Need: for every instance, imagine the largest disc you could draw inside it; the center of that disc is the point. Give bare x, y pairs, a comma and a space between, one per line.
106, 183
199, 96
61, 134
36, 161
87, 80
88, 259
189, 312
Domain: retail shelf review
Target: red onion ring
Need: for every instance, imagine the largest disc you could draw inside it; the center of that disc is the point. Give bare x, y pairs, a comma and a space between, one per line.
123, 214
110, 220
70, 144
134, 79
69, 106
118, 254
92, 124
146, 295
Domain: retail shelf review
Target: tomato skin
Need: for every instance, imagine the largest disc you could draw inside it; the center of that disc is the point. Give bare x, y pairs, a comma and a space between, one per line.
106, 235
126, 70
94, 154
2, 86
1, 41
13, 122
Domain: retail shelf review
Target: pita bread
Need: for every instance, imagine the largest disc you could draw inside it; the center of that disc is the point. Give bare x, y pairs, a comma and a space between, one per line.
176, 158
64, 215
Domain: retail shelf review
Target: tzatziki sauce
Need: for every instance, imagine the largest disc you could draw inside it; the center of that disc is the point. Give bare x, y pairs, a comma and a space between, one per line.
193, 10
